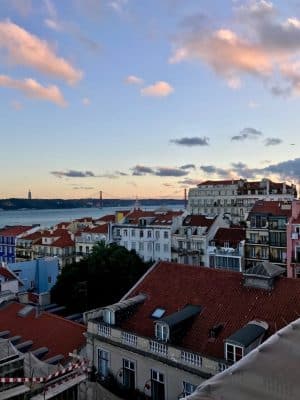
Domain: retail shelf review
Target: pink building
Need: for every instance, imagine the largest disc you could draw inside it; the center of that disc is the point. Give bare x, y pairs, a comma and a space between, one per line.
293, 242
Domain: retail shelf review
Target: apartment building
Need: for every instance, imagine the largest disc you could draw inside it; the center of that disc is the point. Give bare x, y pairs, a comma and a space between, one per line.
235, 198
226, 249
86, 239
293, 242
148, 232
190, 241
180, 325
8, 241
266, 233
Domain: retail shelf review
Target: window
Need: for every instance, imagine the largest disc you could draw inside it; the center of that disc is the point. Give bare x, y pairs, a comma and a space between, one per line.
133, 245
125, 232
157, 385
166, 248
125, 244
188, 388
149, 247
141, 246
103, 362
141, 233
149, 234
87, 250
234, 353
157, 247
166, 234
128, 374
118, 232
133, 232
108, 317
157, 234
158, 313
161, 332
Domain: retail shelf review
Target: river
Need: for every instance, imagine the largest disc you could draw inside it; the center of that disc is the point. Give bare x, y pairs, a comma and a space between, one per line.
47, 218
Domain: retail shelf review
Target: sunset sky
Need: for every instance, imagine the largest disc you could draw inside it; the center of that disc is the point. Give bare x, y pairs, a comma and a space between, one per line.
146, 98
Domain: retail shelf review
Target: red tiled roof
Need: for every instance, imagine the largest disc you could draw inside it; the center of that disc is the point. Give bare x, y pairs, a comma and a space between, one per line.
60, 335
62, 224
222, 297
165, 218
278, 208
224, 182
7, 274
14, 230
84, 219
107, 218
198, 220
64, 241
96, 229
33, 236
233, 236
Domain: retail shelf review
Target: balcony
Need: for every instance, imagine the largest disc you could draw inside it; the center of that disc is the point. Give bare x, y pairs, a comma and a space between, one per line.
258, 241
149, 346
158, 348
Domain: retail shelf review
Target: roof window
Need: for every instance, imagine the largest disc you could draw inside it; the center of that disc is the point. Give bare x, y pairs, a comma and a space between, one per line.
158, 313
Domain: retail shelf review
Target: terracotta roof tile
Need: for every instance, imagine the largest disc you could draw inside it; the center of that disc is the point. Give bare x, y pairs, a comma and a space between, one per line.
198, 220
233, 236
276, 208
14, 230
7, 274
107, 218
61, 336
223, 298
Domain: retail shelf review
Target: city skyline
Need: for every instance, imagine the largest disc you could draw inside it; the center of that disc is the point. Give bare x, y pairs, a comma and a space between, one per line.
146, 99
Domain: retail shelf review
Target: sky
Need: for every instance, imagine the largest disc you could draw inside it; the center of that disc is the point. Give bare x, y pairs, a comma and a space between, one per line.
146, 98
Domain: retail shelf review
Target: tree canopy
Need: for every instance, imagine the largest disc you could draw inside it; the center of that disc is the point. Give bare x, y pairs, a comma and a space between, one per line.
101, 278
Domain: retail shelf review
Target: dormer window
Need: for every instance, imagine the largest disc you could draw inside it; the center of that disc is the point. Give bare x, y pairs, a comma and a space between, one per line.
162, 332
108, 317
158, 313
234, 353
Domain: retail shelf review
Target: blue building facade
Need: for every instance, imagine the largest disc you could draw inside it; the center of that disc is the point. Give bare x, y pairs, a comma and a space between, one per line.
8, 240
37, 275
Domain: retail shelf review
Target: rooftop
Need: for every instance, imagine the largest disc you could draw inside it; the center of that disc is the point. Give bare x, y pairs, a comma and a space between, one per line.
14, 230
233, 236
198, 220
223, 300
276, 208
59, 335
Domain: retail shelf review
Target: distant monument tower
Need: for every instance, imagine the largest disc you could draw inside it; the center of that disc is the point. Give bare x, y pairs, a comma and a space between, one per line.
29, 194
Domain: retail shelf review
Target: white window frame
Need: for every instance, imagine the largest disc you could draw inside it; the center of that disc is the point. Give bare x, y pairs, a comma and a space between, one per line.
99, 350
235, 347
162, 332
129, 368
188, 388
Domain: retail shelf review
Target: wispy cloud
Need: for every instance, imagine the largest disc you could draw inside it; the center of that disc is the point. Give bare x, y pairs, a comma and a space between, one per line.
86, 101
17, 105
140, 170
133, 80
272, 141
188, 166
247, 133
166, 171
189, 182
73, 174
191, 141
158, 89
24, 48
211, 169
34, 90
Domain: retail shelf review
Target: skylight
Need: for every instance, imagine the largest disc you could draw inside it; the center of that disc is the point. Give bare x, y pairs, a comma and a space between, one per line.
158, 313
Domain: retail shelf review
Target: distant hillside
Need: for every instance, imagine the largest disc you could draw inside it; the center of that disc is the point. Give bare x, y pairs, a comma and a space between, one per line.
42, 204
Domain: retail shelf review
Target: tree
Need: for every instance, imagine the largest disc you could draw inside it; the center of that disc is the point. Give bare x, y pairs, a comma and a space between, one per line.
101, 278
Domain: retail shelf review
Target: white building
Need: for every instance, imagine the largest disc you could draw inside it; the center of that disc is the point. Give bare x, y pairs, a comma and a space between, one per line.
86, 239
148, 232
235, 197
191, 239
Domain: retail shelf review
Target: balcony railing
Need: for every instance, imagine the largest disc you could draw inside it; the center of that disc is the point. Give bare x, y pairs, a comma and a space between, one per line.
191, 358
148, 345
129, 338
104, 330
157, 347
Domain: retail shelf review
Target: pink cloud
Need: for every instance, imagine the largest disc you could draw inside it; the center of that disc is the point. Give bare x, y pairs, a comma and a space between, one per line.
24, 48
134, 80
32, 89
158, 89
